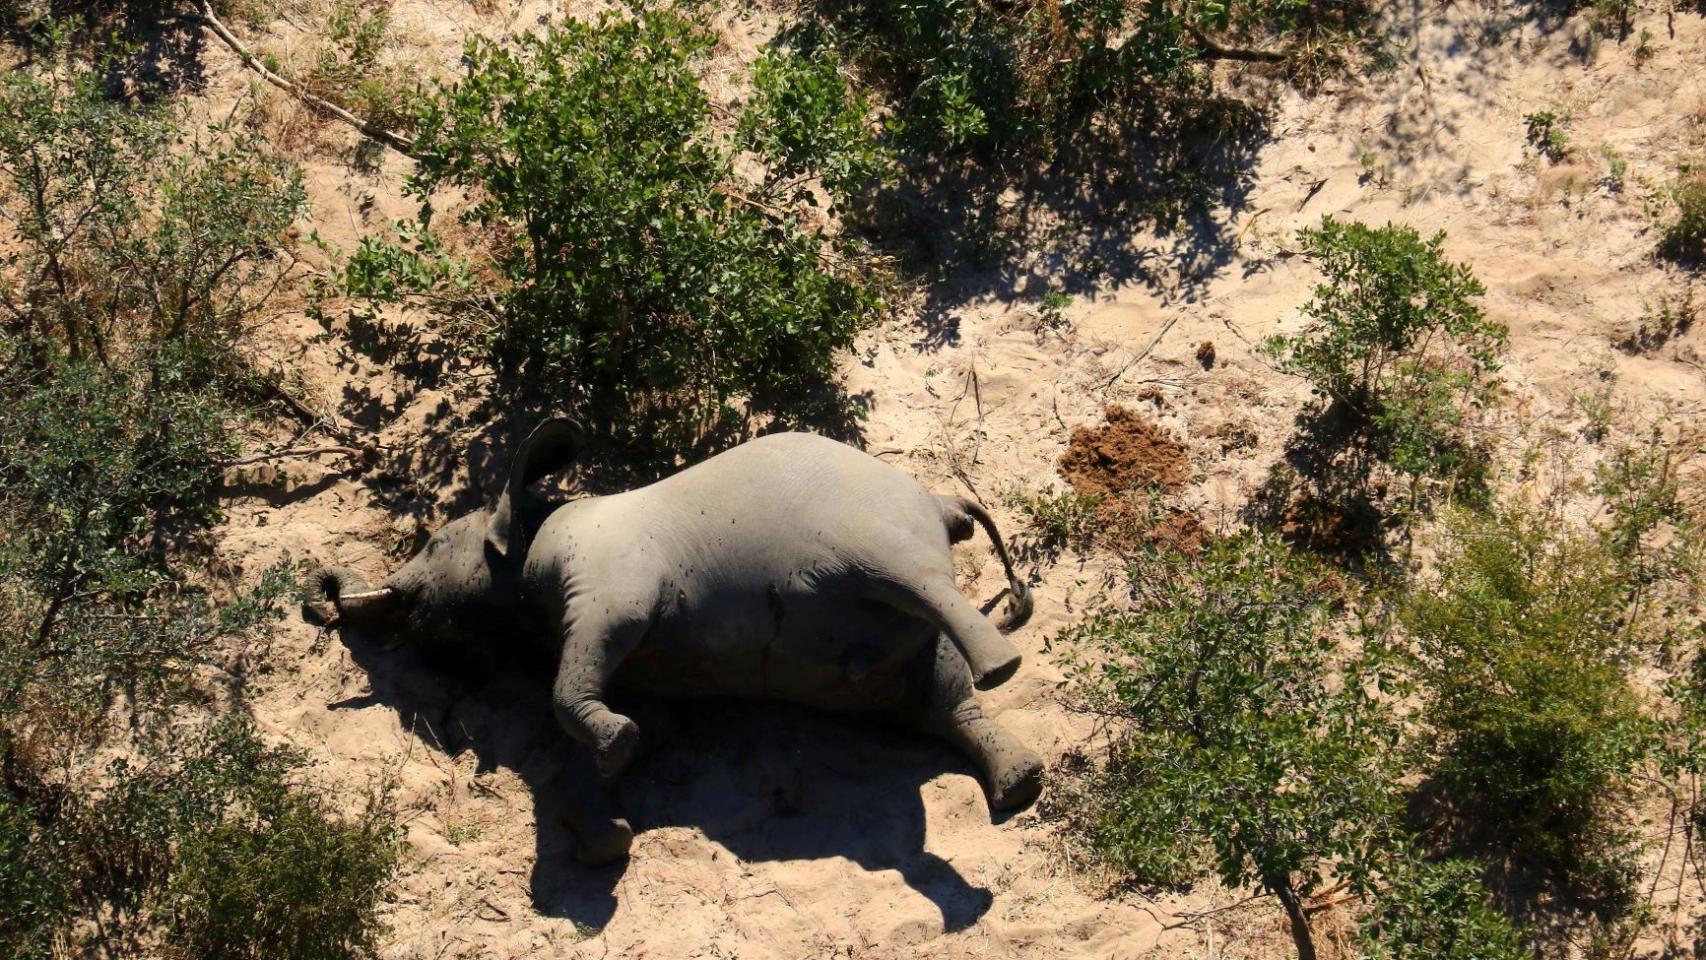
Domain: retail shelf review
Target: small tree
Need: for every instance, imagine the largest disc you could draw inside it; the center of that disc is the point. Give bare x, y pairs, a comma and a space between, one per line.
1397, 345
1242, 738
128, 246
132, 253
1521, 647
634, 280
1248, 734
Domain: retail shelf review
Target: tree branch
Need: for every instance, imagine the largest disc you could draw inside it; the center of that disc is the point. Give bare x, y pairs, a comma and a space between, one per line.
397, 142
1215, 51
293, 452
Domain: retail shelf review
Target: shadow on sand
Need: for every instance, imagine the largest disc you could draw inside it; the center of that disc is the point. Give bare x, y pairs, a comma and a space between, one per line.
767, 781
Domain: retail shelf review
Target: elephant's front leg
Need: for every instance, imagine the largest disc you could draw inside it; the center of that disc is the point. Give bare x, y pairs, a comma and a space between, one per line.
1012, 772
592, 650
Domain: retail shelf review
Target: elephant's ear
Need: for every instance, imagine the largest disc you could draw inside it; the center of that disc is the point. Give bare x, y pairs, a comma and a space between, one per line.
550, 446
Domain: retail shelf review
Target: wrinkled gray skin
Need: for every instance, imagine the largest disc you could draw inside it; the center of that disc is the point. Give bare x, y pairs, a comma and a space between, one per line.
791, 567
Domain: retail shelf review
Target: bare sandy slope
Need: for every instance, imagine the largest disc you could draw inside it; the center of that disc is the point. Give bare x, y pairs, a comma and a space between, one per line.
771, 833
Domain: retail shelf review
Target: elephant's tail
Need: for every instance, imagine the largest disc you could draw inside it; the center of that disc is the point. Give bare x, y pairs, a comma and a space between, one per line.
960, 512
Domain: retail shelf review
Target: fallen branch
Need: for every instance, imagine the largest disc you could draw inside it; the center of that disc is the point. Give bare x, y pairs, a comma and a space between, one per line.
1313, 908
1192, 917
380, 135
293, 452
303, 411
1215, 51
1108, 384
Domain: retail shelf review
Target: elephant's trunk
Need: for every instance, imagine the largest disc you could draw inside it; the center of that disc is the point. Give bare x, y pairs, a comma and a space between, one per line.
337, 594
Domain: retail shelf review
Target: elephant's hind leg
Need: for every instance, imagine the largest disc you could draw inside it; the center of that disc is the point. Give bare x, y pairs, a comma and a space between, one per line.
990, 655
1012, 773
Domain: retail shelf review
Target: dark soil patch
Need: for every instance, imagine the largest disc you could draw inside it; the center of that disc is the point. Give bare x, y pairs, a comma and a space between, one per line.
1344, 528
1126, 454
1175, 529
1127, 463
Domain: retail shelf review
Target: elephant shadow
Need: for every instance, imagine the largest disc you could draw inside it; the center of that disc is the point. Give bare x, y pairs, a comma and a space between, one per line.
767, 781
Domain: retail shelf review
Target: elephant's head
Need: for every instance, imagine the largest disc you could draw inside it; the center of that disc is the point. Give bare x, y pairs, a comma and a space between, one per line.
466, 581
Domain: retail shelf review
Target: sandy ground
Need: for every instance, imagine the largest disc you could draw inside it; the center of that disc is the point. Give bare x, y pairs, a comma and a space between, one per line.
771, 833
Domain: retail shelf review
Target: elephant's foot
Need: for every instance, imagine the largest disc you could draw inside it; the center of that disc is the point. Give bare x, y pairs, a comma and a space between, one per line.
1012, 773
605, 844
618, 740
998, 671
1015, 785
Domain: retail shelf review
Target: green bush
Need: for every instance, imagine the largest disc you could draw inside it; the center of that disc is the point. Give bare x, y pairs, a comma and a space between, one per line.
282, 877
1396, 342
197, 803
1521, 648
205, 842
128, 237
1242, 738
1003, 81
806, 122
1436, 910
1254, 731
635, 282
1684, 238
1055, 520
137, 252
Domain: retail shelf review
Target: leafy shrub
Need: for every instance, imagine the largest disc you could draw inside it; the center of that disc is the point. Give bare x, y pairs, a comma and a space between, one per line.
1521, 648
97, 464
125, 243
131, 265
992, 79
1436, 910
807, 122
634, 282
282, 877
1253, 731
1055, 520
1396, 343
1025, 131
1685, 237
121, 304
207, 838
1242, 739
141, 840
1546, 134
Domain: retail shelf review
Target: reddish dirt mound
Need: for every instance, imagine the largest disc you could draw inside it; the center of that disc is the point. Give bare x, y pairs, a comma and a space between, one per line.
1123, 461
1125, 454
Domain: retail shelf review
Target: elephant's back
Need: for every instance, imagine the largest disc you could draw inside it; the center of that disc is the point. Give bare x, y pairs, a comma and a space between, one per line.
760, 566
795, 481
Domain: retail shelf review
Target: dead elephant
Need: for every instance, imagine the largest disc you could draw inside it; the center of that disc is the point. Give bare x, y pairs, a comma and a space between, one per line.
791, 567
